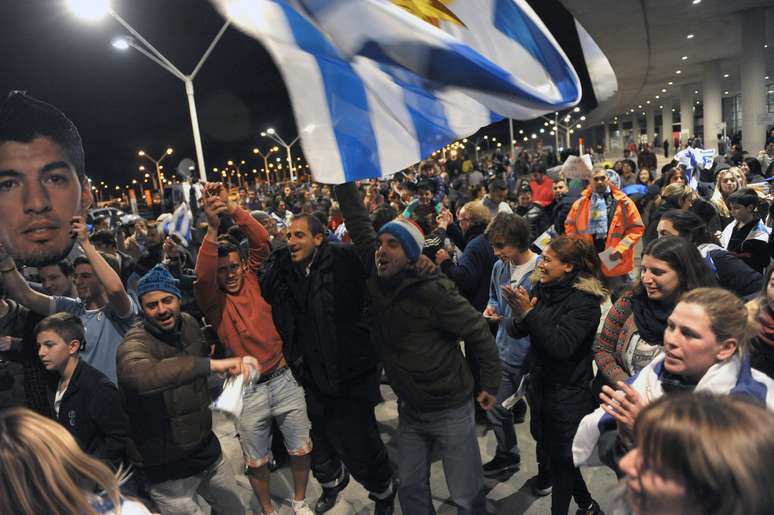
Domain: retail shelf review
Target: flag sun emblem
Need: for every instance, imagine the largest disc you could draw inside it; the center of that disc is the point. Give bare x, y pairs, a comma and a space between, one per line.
431, 11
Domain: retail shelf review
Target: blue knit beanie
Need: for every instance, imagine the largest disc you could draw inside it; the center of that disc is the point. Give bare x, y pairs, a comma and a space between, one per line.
408, 233
158, 279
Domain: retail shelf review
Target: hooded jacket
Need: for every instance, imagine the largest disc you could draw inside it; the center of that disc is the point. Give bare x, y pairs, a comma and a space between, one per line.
562, 327
162, 380
418, 323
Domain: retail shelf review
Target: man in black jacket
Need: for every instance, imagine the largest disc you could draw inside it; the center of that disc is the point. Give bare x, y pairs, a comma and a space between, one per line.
317, 292
82, 398
418, 323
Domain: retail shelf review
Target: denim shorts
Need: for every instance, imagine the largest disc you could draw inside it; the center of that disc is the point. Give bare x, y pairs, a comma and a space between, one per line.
280, 399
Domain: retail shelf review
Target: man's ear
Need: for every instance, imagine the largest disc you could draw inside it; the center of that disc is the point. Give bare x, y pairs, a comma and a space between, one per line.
73, 347
87, 199
318, 239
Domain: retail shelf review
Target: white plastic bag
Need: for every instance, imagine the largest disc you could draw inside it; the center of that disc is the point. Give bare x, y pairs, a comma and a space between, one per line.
230, 400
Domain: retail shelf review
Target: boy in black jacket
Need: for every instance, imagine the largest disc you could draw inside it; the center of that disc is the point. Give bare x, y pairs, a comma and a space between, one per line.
82, 398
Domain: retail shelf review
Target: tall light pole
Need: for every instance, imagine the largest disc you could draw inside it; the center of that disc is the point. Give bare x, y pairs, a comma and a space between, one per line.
93, 10
265, 158
271, 133
157, 162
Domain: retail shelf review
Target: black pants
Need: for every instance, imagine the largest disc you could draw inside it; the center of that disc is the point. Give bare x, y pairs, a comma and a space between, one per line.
558, 410
345, 430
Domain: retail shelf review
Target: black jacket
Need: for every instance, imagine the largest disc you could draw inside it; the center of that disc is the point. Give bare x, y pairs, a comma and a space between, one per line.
562, 327
91, 411
734, 274
473, 270
323, 319
418, 323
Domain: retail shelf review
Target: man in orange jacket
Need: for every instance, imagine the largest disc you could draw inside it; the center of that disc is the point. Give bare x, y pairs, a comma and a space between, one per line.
607, 218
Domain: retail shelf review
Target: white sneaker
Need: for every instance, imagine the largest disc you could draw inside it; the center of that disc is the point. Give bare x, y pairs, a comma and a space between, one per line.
301, 508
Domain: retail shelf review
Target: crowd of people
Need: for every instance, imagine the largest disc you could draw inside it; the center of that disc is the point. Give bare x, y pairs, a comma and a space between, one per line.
630, 311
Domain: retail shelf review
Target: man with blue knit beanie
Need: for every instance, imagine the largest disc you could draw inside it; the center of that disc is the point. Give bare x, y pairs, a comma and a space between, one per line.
419, 320
163, 366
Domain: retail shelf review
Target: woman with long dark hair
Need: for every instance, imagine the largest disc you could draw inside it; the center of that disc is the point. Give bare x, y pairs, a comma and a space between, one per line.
561, 318
633, 332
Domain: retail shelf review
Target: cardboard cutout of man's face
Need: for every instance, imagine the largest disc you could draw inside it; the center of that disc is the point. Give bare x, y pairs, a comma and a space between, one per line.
40, 193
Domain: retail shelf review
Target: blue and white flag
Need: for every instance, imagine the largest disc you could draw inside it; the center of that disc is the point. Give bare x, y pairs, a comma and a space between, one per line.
694, 160
179, 223
377, 85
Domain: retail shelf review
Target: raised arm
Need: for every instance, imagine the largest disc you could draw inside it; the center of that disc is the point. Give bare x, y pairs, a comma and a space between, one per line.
358, 222
16, 286
118, 299
206, 290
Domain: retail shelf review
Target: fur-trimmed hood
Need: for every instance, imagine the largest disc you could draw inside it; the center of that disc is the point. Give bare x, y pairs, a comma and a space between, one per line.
586, 284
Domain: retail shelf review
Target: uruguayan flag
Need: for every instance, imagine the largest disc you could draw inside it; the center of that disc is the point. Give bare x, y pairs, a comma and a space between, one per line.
377, 85
694, 160
179, 223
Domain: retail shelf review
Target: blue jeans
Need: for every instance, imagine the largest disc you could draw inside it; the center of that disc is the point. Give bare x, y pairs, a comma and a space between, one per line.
453, 430
501, 418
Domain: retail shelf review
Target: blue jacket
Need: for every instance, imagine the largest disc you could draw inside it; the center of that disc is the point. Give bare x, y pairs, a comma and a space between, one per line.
512, 350
473, 270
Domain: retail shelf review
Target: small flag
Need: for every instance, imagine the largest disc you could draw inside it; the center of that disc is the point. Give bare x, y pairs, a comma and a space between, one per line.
179, 223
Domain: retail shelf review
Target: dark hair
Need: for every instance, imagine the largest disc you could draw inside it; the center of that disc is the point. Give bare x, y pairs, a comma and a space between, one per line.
667, 177
24, 118
684, 258
744, 197
511, 228
67, 326
754, 165
538, 167
426, 185
312, 222
497, 185
650, 175
766, 279
578, 253
689, 225
322, 217
631, 164
226, 247
64, 266
104, 237
382, 215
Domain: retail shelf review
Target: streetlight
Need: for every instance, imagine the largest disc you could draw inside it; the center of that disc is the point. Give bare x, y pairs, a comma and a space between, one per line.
94, 10
271, 133
157, 162
265, 157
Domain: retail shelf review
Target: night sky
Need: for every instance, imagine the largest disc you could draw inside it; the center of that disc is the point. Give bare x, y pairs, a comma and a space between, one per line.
122, 102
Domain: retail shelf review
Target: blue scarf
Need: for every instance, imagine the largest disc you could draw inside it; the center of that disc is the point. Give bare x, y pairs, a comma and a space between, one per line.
598, 216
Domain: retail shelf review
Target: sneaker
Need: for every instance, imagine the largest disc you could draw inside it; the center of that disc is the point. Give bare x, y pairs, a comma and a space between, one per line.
594, 509
386, 506
500, 464
541, 485
330, 496
301, 508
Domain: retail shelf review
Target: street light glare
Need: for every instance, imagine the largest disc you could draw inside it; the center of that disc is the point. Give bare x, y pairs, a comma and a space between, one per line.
169, 151
269, 131
89, 10
141, 153
120, 44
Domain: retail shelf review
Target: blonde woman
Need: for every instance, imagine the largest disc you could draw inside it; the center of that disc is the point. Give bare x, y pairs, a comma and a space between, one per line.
700, 454
43, 471
726, 182
705, 350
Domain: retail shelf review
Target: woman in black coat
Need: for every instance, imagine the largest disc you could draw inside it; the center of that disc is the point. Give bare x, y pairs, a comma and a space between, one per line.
561, 319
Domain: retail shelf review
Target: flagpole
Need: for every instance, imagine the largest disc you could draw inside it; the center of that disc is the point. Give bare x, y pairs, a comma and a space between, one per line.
510, 126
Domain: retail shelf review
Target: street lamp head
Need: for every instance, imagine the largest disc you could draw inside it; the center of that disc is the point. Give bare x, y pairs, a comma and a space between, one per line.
141, 153
169, 151
263, 134
230, 163
89, 10
255, 151
274, 148
120, 43
141, 168
576, 110
270, 131
242, 162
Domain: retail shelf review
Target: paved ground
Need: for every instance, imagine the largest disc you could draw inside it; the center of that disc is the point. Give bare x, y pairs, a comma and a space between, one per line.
510, 497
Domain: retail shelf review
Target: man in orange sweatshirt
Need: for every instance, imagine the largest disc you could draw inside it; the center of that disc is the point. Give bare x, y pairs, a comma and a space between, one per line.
229, 295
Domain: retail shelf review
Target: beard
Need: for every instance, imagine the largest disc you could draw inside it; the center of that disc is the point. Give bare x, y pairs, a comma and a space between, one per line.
48, 254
